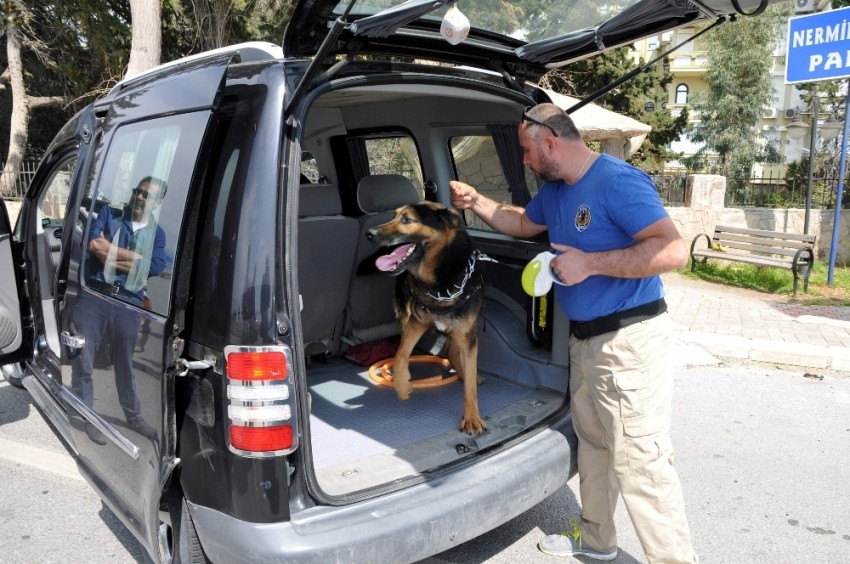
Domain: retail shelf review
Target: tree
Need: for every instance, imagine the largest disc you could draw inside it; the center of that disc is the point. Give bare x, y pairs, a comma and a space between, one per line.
94, 40
71, 51
739, 87
589, 75
146, 45
831, 103
18, 34
191, 26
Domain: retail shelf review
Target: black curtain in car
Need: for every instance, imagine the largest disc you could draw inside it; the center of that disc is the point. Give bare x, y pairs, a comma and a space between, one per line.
359, 158
510, 154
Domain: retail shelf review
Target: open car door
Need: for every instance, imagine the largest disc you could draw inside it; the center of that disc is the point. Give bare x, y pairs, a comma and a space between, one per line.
15, 324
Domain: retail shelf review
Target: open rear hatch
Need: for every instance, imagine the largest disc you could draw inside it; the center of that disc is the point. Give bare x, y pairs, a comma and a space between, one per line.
524, 39
363, 439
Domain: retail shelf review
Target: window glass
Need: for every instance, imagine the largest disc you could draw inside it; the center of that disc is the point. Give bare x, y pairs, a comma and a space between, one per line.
477, 163
137, 209
396, 155
54, 202
682, 94
309, 169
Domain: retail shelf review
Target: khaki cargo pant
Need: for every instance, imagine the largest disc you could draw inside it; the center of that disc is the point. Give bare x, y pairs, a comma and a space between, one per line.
621, 388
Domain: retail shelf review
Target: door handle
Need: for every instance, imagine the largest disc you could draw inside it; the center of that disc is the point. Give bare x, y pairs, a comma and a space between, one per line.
72, 341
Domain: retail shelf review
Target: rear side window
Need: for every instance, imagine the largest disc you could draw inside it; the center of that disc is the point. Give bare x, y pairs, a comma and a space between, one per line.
136, 209
477, 163
395, 155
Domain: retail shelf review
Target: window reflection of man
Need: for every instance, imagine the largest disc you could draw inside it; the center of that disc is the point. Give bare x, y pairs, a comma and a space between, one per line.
125, 248
129, 246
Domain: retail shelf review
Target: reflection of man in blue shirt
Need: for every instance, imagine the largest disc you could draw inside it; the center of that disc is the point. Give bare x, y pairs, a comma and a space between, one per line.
124, 250
129, 246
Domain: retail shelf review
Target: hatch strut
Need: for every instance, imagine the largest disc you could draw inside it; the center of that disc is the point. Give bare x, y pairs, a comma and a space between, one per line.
637, 70
316, 64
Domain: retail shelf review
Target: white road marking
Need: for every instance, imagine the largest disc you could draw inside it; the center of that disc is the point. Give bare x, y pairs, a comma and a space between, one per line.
61, 464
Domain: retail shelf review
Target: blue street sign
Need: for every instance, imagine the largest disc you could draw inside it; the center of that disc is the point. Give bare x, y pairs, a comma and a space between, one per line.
818, 47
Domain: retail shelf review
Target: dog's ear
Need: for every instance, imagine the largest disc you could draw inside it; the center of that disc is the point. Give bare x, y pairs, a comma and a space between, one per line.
455, 219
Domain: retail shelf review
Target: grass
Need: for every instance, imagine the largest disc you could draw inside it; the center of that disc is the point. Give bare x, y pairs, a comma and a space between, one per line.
779, 281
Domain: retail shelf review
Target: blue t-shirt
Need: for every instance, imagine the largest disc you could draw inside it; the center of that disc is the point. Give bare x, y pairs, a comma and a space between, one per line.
117, 227
601, 212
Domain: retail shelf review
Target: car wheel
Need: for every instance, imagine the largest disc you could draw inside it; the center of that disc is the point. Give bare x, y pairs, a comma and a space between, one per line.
188, 544
178, 538
14, 374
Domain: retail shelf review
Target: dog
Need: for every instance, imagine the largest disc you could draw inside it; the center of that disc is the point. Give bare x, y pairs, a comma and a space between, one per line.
438, 286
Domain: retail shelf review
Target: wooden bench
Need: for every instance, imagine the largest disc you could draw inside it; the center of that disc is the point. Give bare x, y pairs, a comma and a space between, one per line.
761, 247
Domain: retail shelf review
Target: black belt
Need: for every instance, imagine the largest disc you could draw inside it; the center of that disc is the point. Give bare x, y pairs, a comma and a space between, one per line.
618, 320
112, 290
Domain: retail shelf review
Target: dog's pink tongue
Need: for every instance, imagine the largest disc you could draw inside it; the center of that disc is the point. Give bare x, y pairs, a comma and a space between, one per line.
390, 261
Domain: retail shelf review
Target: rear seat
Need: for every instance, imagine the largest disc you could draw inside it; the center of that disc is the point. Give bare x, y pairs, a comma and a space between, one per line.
370, 303
326, 245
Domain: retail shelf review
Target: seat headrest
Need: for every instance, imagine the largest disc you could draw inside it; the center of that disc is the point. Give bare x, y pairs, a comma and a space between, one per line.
318, 199
385, 192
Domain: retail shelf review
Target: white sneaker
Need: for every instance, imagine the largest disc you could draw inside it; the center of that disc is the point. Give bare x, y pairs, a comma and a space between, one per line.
565, 545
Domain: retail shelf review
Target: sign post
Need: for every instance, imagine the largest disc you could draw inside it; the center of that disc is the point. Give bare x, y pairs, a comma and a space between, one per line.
819, 49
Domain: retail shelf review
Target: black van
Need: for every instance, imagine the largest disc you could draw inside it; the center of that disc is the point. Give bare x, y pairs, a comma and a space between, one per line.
216, 383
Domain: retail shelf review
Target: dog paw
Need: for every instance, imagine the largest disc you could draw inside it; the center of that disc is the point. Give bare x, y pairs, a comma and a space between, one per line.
472, 425
403, 390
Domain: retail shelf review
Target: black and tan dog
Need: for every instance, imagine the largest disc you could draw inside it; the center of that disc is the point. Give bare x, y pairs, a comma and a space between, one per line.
440, 287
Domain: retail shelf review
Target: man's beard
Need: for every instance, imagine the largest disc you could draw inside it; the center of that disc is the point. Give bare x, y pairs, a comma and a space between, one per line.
550, 170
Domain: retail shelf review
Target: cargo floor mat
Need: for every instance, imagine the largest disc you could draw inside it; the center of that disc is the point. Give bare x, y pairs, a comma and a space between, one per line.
364, 436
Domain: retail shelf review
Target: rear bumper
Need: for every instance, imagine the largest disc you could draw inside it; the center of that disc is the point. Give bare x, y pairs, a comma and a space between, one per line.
408, 525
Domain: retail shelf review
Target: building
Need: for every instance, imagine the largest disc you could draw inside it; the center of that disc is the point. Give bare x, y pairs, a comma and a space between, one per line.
688, 65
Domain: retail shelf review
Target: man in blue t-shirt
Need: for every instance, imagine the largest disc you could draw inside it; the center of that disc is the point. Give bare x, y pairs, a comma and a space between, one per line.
125, 248
613, 238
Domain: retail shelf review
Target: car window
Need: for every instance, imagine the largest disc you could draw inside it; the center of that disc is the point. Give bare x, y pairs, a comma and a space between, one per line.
395, 155
136, 208
309, 169
54, 200
477, 163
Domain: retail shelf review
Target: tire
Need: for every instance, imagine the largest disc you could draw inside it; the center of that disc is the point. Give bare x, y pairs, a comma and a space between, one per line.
189, 550
14, 374
178, 538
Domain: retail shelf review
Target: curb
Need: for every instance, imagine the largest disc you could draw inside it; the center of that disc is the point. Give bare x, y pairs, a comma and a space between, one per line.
761, 350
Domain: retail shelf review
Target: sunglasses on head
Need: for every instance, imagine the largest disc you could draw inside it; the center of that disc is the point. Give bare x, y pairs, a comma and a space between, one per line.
526, 117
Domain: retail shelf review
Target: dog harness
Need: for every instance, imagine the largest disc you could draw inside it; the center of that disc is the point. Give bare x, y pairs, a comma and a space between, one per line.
460, 293
470, 268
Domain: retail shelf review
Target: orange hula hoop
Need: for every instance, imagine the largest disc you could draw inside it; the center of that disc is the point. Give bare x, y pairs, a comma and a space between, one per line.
380, 372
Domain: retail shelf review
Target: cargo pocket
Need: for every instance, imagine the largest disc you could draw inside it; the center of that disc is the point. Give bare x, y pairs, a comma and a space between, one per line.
641, 420
636, 409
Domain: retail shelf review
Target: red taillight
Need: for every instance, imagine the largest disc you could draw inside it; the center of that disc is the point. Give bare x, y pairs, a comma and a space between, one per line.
261, 439
256, 366
261, 401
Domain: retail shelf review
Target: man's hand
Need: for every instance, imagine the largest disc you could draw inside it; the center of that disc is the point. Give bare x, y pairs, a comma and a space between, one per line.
504, 218
659, 248
99, 247
124, 258
571, 264
464, 196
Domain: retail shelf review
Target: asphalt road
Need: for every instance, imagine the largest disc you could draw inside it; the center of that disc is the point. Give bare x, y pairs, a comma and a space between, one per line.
763, 455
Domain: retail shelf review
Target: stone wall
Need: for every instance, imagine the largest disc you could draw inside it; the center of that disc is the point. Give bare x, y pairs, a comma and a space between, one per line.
704, 210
